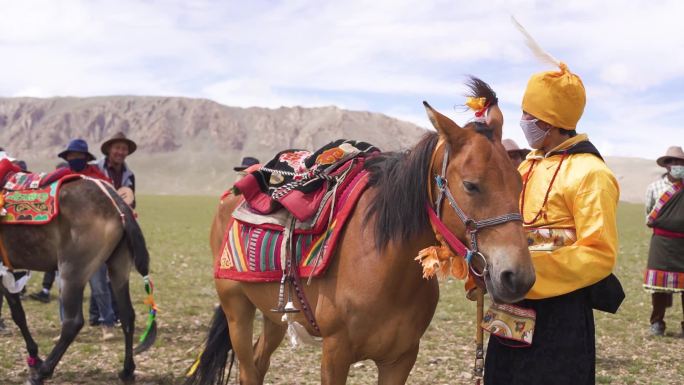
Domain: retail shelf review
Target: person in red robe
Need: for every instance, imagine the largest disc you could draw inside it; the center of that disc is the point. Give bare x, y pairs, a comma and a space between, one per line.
78, 156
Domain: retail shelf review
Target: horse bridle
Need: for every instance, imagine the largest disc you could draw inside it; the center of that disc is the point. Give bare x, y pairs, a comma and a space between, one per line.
472, 226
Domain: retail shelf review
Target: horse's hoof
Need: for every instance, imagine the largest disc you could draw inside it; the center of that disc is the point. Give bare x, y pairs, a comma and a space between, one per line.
128, 377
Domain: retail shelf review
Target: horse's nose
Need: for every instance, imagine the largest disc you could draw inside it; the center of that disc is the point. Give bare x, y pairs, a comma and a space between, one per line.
516, 283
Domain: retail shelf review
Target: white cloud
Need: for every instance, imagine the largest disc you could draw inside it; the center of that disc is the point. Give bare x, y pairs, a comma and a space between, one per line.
384, 55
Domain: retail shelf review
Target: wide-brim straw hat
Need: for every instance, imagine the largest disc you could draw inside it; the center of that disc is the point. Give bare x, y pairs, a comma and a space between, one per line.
674, 152
512, 147
118, 137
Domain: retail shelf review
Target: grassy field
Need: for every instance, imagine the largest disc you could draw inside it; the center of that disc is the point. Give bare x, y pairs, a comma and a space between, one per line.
177, 230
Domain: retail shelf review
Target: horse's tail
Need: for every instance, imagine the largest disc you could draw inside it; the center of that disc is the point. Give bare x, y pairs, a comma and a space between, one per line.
136, 241
210, 366
141, 259
132, 230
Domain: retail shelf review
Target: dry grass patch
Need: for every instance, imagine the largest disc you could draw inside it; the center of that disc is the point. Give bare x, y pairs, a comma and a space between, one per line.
177, 232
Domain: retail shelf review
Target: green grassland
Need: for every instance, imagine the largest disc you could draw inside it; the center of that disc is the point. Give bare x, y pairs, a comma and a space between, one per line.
177, 231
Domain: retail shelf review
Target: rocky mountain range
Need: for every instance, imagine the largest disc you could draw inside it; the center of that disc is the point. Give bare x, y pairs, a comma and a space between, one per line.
185, 146
189, 146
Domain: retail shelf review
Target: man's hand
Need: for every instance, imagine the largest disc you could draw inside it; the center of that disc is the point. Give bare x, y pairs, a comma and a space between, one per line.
126, 194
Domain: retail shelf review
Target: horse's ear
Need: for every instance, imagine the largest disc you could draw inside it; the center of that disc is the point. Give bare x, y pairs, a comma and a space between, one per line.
444, 126
495, 121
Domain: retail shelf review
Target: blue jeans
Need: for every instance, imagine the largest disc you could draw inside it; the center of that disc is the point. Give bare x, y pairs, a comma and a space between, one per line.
94, 314
99, 288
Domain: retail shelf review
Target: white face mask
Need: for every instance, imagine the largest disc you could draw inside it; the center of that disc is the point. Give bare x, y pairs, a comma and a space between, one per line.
677, 172
534, 135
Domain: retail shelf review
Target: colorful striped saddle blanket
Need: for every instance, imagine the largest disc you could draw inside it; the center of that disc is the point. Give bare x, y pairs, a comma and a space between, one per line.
35, 206
254, 245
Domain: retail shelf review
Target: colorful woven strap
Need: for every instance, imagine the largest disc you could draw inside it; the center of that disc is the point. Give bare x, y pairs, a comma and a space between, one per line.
667, 195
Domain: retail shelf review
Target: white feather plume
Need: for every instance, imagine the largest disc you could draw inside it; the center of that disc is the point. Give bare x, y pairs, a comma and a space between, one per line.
536, 49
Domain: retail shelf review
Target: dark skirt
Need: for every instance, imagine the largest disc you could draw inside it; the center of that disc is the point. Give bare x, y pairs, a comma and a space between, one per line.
563, 350
666, 254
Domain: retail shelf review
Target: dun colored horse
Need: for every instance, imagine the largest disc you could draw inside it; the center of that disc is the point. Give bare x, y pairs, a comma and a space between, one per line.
373, 303
87, 232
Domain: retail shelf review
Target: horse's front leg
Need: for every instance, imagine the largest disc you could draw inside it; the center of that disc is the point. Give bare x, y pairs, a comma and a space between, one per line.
396, 371
72, 302
19, 318
336, 360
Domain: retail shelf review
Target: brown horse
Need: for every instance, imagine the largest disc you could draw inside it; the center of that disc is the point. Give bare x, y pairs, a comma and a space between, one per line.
87, 232
373, 303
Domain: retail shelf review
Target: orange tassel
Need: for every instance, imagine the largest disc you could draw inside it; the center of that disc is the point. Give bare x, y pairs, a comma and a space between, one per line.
429, 259
440, 260
459, 268
150, 302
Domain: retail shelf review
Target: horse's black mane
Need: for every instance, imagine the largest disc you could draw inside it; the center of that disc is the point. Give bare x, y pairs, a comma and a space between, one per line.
402, 178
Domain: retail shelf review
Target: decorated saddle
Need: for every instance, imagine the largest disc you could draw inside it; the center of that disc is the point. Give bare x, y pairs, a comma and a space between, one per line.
298, 179
27, 199
266, 229
29, 181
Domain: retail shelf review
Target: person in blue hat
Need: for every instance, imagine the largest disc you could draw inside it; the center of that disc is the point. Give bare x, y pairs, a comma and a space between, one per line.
78, 156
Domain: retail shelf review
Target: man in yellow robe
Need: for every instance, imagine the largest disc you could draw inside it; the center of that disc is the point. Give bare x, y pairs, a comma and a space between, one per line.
568, 204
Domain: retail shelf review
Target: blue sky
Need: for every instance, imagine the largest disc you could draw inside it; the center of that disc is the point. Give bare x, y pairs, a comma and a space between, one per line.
382, 56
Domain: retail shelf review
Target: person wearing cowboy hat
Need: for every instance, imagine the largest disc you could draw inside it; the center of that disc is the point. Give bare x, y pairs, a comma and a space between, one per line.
568, 204
515, 153
248, 165
665, 216
116, 149
77, 156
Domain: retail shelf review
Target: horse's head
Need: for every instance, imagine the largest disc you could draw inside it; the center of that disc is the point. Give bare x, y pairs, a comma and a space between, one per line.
481, 182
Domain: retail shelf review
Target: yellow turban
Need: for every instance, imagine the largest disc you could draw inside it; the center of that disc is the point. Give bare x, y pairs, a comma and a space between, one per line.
556, 97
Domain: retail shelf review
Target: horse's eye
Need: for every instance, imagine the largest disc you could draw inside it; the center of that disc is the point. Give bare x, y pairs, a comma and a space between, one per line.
470, 187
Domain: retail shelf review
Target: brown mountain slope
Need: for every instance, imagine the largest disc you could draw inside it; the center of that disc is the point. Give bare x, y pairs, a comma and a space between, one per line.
185, 145
188, 146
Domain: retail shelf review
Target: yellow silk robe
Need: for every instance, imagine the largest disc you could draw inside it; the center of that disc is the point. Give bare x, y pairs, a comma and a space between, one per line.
583, 198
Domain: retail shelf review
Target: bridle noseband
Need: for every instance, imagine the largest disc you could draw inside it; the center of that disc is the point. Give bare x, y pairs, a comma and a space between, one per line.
472, 226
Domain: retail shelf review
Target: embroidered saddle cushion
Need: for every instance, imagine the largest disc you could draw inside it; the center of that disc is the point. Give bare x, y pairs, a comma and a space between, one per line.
299, 180
28, 180
35, 206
